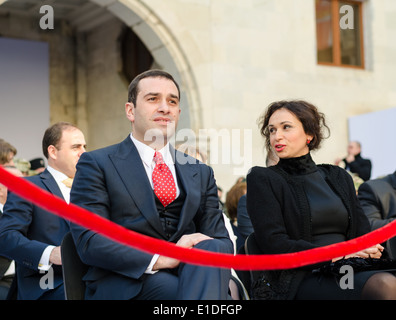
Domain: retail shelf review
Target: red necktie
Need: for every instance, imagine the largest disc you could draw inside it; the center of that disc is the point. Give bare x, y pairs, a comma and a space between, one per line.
163, 182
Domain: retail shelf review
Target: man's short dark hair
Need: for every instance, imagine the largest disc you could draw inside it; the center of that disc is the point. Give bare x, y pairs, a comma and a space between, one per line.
155, 73
53, 135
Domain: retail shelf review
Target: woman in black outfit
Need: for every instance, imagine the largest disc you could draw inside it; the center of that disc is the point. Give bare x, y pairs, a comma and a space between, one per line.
297, 205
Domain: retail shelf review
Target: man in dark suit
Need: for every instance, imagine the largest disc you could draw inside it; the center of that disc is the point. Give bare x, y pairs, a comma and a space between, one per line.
378, 200
7, 267
119, 183
30, 235
354, 162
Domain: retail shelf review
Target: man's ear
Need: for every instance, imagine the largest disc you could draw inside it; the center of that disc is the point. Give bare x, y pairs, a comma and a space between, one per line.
52, 152
130, 111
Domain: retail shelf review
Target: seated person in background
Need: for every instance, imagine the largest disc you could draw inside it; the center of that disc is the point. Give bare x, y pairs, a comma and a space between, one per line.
231, 204
378, 200
7, 266
354, 162
23, 165
243, 220
7, 153
37, 166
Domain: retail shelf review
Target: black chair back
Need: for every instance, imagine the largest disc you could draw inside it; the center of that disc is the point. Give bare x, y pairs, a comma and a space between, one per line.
251, 247
73, 270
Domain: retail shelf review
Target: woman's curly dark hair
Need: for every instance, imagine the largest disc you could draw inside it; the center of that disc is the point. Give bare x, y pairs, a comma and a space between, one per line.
313, 121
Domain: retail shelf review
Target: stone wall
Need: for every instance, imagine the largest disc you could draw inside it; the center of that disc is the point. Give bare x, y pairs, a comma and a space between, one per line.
233, 58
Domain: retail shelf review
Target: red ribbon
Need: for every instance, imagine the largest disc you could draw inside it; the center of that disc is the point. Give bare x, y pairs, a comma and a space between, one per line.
148, 244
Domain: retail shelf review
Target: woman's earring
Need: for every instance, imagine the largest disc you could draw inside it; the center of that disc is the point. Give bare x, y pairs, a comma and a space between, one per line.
308, 142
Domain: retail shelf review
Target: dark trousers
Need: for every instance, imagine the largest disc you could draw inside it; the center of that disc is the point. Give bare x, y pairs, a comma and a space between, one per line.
189, 282
57, 293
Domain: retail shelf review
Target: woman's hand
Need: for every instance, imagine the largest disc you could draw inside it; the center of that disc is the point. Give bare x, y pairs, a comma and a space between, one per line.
374, 252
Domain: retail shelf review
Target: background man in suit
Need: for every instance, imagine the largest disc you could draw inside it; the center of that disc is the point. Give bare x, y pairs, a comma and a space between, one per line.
119, 183
7, 267
354, 162
378, 200
30, 235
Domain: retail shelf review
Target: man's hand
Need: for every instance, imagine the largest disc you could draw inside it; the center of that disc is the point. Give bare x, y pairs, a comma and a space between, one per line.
350, 158
190, 240
186, 241
55, 256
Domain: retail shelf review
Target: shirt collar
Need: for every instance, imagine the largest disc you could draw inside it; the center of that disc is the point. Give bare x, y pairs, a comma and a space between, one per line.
147, 153
58, 176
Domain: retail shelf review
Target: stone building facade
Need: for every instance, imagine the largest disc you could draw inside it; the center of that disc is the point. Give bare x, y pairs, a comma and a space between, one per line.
231, 57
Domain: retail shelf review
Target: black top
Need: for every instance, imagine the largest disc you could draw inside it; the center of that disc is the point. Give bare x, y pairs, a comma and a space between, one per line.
329, 217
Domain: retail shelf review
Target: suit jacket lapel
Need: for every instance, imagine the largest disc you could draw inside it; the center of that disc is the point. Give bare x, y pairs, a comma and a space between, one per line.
132, 173
188, 175
49, 181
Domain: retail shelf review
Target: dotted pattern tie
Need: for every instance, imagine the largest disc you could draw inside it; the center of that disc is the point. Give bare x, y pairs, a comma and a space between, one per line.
164, 184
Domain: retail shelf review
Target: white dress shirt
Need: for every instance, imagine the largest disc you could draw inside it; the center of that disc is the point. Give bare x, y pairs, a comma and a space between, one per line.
146, 153
44, 263
59, 177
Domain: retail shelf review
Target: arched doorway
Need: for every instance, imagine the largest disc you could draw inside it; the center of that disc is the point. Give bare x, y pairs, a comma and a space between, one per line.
83, 90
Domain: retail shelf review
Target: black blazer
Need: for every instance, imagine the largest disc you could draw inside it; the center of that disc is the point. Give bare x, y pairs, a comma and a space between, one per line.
279, 211
378, 200
25, 231
113, 183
